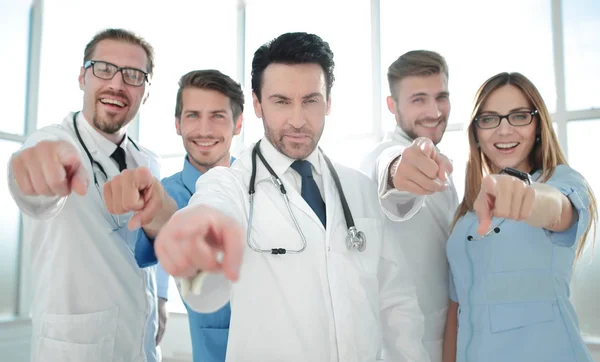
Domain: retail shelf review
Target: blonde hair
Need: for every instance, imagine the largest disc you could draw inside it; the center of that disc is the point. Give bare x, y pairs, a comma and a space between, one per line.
545, 155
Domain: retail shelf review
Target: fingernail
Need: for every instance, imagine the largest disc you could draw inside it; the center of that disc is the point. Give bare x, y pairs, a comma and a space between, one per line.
135, 224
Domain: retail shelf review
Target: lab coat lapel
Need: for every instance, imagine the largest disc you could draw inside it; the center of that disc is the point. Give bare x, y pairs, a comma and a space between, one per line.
267, 186
143, 160
298, 201
331, 199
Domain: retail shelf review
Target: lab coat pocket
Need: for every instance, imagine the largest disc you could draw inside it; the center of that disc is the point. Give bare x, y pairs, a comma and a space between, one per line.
86, 337
368, 259
508, 316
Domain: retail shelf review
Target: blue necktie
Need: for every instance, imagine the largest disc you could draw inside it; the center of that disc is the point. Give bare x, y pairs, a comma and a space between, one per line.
310, 191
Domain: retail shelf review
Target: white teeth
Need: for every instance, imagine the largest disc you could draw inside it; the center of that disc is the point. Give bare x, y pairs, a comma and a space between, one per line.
430, 125
506, 145
112, 101
205, 144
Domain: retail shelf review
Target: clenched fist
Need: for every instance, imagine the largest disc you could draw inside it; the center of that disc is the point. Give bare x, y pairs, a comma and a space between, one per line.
50, 168
421, 169
503, 196
194, 238
136, 190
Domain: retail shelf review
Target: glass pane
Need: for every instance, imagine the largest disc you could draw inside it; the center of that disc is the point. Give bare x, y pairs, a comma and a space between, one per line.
350, 41
455, 145
184, 39
14, 42
171, 165
581, 21
586, 276
476, 46
9, 238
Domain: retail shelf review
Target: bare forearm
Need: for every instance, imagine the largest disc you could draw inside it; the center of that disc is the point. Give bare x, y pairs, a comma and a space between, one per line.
450, 333
551, 209
169, 208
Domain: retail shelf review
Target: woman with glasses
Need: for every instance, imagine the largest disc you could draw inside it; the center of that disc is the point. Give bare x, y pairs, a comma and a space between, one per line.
520, 227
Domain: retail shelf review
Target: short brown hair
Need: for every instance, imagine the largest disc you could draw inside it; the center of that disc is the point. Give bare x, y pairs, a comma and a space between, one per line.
212, 80
120, 35
415, 63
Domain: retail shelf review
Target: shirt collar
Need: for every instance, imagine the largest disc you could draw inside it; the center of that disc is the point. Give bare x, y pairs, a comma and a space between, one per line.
401, 136
104, 145
404, 139
280, 163
190, 174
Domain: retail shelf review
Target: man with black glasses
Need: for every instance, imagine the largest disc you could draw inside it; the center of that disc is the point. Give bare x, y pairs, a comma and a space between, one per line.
91, 301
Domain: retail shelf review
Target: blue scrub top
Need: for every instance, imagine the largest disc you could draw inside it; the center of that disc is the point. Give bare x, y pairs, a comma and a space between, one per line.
209, 332
513, 286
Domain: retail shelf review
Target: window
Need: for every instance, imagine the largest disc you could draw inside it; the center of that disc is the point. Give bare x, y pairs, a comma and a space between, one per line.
184, 39
476, 46
480, 42
186, 35
455, 144
586, 276
14, 15
350, 39
10, 237
581, 21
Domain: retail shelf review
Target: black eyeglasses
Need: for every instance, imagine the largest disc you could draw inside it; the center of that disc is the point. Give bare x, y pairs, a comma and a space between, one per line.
517, 119
105, 70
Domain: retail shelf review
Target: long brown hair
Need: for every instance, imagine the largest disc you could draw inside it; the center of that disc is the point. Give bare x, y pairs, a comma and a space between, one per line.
545, 155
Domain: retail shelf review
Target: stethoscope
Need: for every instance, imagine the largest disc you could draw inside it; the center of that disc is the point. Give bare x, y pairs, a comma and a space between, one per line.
355, 240
99, 166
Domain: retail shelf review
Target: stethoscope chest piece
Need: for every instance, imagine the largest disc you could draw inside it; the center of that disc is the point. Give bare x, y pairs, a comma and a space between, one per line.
356, 240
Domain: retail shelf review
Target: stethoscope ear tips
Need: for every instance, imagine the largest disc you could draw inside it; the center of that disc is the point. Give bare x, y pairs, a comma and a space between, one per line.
470, 237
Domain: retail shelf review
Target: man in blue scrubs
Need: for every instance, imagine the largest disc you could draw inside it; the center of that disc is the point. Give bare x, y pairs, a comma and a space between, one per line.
208, 114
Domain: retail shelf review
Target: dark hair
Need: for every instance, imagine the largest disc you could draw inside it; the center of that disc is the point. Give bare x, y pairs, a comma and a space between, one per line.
415, 63
213, 80
293, 48
122, 35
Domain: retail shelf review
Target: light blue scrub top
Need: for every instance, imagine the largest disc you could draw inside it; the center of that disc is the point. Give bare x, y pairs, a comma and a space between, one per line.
210, 331
513, 286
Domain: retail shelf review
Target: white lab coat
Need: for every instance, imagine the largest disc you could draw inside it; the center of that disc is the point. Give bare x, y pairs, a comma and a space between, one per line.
422, 236
91, 301
326, 303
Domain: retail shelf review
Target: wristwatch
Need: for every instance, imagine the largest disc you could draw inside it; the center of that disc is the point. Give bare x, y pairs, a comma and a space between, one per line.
392, 171
523, 176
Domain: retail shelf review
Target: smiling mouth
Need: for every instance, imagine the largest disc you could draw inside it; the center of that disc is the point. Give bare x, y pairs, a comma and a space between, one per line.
205, 143
506, 146
113, 102
429, 124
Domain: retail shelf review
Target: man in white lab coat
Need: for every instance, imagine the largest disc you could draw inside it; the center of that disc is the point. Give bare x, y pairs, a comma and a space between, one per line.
91, 301
302, 294
419, 100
